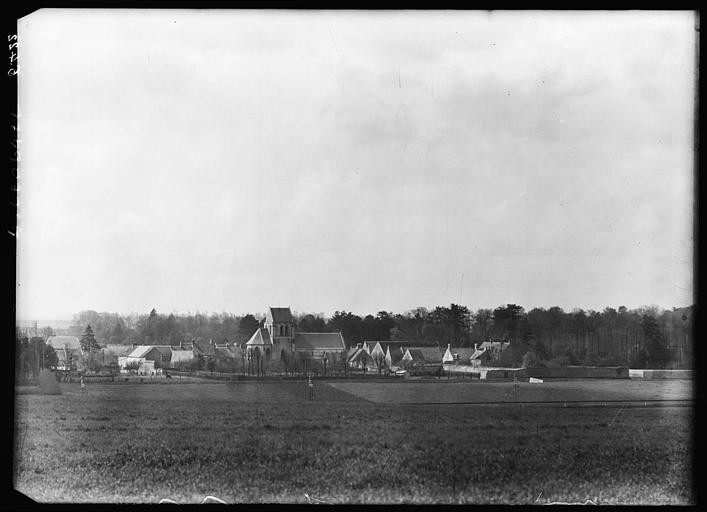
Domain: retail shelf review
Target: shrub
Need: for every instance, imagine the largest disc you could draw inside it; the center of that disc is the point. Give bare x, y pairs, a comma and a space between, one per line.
48, 384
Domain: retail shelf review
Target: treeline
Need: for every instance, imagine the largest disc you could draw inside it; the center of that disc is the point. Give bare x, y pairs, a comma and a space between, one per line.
640, 337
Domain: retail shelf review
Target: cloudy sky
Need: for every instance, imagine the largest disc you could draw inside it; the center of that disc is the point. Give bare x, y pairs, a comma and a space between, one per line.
234, 160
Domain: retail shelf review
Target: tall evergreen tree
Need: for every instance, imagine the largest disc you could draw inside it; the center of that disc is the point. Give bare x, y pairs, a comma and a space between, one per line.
88, 340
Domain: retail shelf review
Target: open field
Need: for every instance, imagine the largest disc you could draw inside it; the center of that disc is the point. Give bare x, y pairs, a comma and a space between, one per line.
264, 442
475, 391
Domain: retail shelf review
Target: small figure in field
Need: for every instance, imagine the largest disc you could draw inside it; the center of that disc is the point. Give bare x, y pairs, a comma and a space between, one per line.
167, 376
310, 384
83, 386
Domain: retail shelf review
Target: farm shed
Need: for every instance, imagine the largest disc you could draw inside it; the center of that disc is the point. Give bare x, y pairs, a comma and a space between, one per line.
580, 372
145, 366
160, 355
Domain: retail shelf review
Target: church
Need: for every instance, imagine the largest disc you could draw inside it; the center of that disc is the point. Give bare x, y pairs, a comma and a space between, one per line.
279, 337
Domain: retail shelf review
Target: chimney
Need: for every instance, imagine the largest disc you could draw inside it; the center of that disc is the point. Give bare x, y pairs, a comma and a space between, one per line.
181, 344
359, 345
134, 345
449, 346
476, 347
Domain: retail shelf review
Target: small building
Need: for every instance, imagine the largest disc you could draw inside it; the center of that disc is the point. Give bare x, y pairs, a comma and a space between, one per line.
458, 355
359, 358
68, 351
159, 355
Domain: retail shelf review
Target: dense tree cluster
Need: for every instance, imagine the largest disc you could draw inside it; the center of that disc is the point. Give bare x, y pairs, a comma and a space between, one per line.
638, 338
32, 354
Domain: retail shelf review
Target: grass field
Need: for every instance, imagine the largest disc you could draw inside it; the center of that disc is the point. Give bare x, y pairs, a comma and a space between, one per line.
475, 391
265, 442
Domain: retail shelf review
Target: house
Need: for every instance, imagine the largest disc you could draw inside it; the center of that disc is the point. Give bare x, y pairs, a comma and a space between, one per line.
278, 338
68, 351
378, 355
458, 355
423, 360
147, 356
205, 349
360, 359
490, 351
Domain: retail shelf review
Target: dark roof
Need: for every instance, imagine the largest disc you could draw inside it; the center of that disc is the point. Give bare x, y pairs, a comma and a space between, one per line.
119, 350
319, 341
224, 353
396, 354
426, 354
260, 337
204, 348
393, 343
464, 353
279, 315
165, 350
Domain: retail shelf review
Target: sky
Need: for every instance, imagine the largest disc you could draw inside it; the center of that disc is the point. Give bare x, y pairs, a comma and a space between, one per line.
362, 161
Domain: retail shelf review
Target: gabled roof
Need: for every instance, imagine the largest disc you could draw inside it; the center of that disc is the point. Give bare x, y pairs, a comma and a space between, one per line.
319, 341
260, 337
279, 315
71, 342
426, 354
477, 353
377, 350
165, 350
119, 350
465, 354
360, 354
140, 351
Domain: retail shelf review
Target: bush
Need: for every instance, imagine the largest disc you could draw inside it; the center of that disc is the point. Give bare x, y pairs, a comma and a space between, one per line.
48, 384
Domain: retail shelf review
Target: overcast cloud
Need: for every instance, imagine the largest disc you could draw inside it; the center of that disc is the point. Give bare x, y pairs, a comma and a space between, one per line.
234, 160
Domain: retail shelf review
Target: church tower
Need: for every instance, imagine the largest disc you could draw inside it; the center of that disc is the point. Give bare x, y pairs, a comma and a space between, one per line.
281, 327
